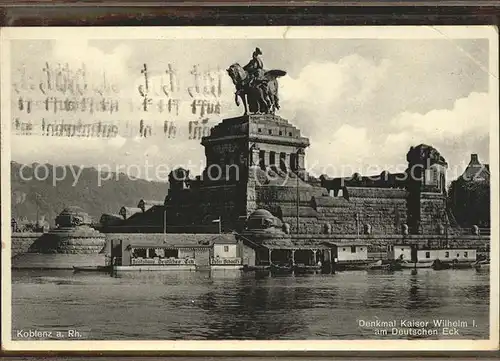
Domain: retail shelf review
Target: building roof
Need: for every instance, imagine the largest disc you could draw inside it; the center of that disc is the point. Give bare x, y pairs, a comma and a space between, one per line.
174, 240
476, 170
127, 212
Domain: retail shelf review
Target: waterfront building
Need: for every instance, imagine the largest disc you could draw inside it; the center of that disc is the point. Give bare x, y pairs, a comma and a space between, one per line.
157, 252
426, 254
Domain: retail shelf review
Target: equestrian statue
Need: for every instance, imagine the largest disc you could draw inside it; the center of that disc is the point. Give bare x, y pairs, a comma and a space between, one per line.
256, 87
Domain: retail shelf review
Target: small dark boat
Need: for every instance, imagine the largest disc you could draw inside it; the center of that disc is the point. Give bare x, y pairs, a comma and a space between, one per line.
439, 265
461, 265
92, 269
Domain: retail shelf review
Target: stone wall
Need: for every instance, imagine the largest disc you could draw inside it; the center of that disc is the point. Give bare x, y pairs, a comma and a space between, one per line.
21, 242
432, 213
84, 240
384, 210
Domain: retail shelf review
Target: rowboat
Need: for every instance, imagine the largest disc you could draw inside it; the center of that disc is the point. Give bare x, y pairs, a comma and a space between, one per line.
276, 268
482, 265
406, 264
301, 268
379, 265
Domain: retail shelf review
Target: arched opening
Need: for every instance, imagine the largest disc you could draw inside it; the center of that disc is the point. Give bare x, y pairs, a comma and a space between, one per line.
262, 159
272, 158
283, 161
293, 162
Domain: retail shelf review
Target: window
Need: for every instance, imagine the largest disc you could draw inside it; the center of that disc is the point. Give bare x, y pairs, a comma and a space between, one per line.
402, 249
361, 249
259, 130
280, 132
272, 158
226, 248
353, 249
466, 254
343, 249
283, 161
427, 254
270, 131
458, 255
290, 134
293, 161
447, 255
262, 160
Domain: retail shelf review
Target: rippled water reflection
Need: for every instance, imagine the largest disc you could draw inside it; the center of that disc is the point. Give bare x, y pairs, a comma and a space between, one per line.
234, 305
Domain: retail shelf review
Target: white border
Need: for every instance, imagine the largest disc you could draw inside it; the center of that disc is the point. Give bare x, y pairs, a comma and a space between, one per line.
386, 32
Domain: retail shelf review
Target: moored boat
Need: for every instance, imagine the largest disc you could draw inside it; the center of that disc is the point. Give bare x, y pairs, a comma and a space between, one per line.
406, 264
92, 269
483, 265
379, 265
277, 268
301, 268
439, 265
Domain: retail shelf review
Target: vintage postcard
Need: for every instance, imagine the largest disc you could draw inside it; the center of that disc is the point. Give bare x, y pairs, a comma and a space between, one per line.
250, 188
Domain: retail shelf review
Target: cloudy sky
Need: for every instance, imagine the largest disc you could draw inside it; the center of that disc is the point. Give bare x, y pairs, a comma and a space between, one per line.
362, 102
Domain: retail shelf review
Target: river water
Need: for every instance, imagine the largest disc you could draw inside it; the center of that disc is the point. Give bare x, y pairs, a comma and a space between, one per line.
235, 305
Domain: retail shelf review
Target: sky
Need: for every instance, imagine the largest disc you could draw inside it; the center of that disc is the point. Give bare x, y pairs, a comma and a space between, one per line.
361, 102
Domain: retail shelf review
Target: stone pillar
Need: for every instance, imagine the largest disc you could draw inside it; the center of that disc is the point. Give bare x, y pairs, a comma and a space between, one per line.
270, 251
301, 160
266, 159
293, 256
314, 256
147, 252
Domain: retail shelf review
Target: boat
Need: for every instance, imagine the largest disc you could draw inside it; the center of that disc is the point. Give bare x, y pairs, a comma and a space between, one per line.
92, 269
379, 265
407, 264
439, 265
277, 268
482, 265
247, 268
302, 268
461, 265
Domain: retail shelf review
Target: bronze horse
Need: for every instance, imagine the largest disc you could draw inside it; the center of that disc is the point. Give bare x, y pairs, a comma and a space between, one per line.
259, 99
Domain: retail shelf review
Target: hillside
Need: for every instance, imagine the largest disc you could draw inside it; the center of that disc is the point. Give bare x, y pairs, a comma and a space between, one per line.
86, 193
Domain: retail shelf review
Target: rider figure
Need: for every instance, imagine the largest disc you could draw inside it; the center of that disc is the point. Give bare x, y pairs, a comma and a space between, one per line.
255, 69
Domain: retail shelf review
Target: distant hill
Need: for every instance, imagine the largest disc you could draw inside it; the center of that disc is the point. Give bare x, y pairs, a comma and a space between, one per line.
86, 193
